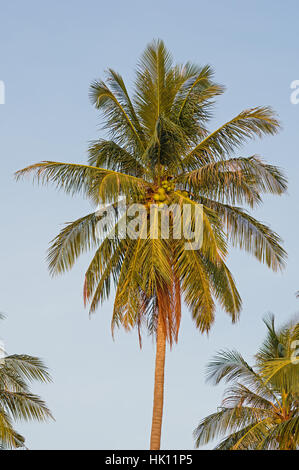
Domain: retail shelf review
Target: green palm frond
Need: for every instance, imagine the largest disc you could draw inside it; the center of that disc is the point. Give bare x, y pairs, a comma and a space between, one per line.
28, 368
118, 115
75, 238
276, 359
24, 406
108, 154
278, 342
236, 180
102, 271
224, 421
269, 349
120, 91
195, 91
154, 95
239, 394
80, 236
229, 365
224, 288
253, 122
9, 438
247, 233
213, 237
248, 438
197, 290
194, 101
282, 371
283, 436
98, 184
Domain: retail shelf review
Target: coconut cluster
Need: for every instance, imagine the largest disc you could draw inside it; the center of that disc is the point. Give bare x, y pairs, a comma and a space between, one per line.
162, 195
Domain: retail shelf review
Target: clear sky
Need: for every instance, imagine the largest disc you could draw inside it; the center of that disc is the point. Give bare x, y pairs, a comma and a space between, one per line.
101, 394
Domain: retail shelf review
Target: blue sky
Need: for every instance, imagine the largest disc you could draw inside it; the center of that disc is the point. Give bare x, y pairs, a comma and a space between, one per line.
101, 394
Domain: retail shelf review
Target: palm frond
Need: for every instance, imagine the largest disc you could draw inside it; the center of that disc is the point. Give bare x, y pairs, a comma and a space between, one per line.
253, 122
24, 406
236, 180
224, 421
247, 233
110, 155
194, 100
153, 93
73, 240
98, 184
28, 368
9, 438
224, 288
282, 436
118, 114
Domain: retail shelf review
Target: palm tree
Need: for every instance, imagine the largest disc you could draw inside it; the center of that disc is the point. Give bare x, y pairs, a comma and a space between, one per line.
159, 150
17, 402
260, 410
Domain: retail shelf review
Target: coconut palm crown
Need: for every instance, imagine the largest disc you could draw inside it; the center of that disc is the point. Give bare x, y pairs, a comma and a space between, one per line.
160, 152
17, 402
260, 410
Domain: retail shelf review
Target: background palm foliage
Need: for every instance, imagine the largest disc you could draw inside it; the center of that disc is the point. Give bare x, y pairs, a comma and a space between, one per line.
17, 402
160, 135
260, 410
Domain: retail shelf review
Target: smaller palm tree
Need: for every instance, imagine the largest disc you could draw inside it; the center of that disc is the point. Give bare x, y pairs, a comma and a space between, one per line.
260, 410
17, 402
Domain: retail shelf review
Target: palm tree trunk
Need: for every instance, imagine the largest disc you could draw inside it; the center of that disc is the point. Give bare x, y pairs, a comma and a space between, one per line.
159, 386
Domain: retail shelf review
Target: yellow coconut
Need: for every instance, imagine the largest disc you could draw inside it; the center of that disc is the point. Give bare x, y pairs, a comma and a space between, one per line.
161, 191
